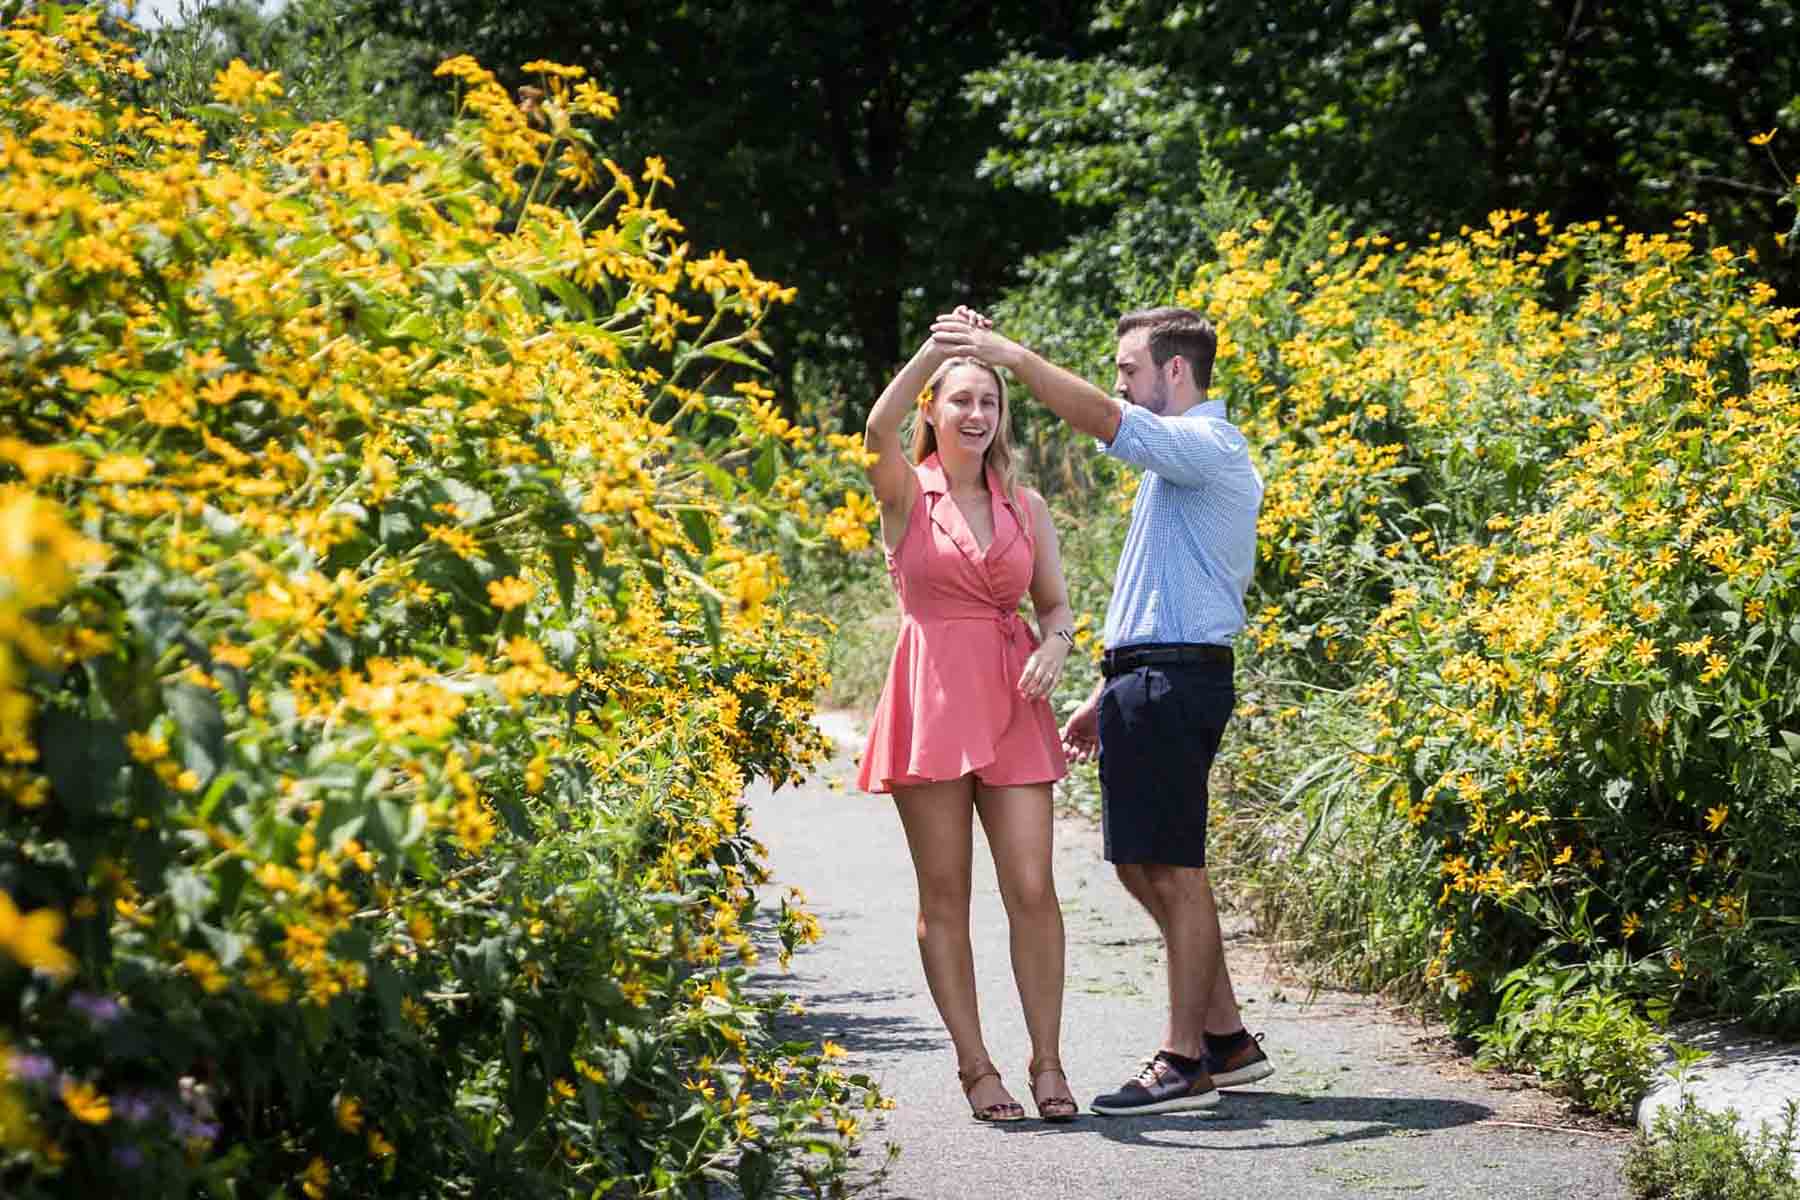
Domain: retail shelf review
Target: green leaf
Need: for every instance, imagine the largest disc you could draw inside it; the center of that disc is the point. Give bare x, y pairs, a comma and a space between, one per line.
528, 291
571, 296
562, 560
196, 711
721, 480
732, 354
1789, 750
697, 528
713, 615
414, 327
390, 988
768, 464
190, 894
82, 757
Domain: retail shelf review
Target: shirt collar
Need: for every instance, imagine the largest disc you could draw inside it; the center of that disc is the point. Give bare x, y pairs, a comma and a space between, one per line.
932, 478
931, 475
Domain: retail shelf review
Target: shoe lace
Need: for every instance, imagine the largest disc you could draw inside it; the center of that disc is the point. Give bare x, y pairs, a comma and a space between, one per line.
1150, 1071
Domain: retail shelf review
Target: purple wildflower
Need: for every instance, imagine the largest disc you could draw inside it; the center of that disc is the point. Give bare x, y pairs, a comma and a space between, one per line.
31, 1068
101, 1010
133, 1107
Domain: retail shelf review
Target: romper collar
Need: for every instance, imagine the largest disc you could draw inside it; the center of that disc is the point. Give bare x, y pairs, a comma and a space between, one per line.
934, 482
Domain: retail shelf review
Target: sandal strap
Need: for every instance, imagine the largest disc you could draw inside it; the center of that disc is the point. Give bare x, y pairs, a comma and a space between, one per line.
1050, 1105
974, 1074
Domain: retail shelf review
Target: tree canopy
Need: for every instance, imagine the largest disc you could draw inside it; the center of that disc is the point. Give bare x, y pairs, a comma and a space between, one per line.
828, 143
887, 159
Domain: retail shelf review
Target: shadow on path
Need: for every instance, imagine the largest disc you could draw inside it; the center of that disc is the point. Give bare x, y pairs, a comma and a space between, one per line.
856, 1022
1372, 1116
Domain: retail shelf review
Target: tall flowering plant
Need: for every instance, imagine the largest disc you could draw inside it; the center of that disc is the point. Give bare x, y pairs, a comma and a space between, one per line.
1530, 503
390, 547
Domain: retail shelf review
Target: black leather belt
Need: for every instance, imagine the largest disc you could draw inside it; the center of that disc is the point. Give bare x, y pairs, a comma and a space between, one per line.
1130, 658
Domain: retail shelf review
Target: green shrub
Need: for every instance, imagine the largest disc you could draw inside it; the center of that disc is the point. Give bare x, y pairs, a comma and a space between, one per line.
1693, 1154
1590, 1044
388, 632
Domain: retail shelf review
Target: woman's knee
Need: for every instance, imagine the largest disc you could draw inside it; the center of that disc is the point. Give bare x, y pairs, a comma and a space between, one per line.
943, 898
1029, 894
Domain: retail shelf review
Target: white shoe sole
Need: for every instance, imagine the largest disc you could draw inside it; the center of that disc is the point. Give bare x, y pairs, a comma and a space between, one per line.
1245, 1074
1173, 1104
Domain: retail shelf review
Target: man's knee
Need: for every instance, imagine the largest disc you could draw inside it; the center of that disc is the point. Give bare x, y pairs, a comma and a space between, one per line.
1176, 885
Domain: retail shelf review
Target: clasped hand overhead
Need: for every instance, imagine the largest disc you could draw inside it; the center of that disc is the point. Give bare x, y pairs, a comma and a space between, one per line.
967, 332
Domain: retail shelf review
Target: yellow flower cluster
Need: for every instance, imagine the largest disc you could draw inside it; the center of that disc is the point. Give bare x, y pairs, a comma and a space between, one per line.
370, 517
1529, 496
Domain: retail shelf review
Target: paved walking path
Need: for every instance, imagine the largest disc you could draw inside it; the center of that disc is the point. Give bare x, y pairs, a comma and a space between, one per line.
1363, 1103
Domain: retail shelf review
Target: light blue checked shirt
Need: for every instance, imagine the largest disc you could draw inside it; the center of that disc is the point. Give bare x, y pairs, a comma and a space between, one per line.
1191, 547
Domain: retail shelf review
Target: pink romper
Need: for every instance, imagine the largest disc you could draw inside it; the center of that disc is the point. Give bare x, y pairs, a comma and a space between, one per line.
952, 706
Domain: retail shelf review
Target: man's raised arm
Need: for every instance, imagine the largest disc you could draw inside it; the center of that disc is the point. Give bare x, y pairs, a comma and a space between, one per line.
1068, 395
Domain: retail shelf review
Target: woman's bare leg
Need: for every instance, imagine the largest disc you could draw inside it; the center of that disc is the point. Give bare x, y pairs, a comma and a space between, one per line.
939, 823
1019, 829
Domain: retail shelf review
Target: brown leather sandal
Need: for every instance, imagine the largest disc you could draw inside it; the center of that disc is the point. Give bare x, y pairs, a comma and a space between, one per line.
1005, 1110
1055, 1109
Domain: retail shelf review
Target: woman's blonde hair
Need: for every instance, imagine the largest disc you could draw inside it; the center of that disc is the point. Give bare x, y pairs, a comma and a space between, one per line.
999, 454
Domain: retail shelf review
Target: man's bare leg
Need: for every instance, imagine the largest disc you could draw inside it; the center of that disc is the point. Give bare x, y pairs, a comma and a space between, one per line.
1223, 1016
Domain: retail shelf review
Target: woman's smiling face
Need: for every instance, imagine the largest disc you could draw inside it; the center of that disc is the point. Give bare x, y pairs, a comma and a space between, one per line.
967, 411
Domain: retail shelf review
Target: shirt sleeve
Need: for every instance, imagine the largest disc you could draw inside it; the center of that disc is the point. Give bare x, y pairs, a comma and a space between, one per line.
1186, 451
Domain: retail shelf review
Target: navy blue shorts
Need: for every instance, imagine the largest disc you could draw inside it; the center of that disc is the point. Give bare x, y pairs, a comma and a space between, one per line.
1160, 728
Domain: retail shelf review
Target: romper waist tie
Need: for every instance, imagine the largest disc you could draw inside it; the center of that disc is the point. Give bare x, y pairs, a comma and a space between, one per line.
1015, 636
1017, 639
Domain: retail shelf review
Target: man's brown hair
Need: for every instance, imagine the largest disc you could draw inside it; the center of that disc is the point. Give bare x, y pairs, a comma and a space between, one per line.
1176, 331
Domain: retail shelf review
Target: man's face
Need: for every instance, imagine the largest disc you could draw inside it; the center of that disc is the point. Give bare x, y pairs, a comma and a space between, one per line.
1138, 381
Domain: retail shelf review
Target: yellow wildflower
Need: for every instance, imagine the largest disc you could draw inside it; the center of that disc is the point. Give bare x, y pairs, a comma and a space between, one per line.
31, 938
238, 83
85, 1103
509, 593
315, 1181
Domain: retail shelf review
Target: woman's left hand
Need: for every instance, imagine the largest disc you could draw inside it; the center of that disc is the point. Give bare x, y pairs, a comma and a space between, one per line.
1043, 669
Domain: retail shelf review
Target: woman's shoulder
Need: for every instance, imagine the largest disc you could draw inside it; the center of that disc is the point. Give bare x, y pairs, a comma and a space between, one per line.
1033, 500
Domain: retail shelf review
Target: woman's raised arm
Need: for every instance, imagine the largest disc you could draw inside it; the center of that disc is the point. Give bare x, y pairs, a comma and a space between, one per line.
890, 475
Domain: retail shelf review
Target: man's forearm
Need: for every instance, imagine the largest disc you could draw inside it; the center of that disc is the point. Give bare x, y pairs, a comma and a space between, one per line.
1068, 395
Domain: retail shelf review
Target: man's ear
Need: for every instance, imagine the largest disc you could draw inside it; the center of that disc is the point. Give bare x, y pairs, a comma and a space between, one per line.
1178, 368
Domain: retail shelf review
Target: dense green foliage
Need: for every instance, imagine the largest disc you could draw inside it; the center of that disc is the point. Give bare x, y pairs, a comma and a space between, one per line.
1592, 1045
844, 155
333, 66
830, 139
388, 633
1424, 115
1693, 1154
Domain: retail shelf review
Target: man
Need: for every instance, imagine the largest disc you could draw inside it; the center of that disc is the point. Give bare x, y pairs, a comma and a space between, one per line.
1167, 690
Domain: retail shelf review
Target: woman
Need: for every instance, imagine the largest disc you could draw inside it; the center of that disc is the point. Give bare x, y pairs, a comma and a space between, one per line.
964, 725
